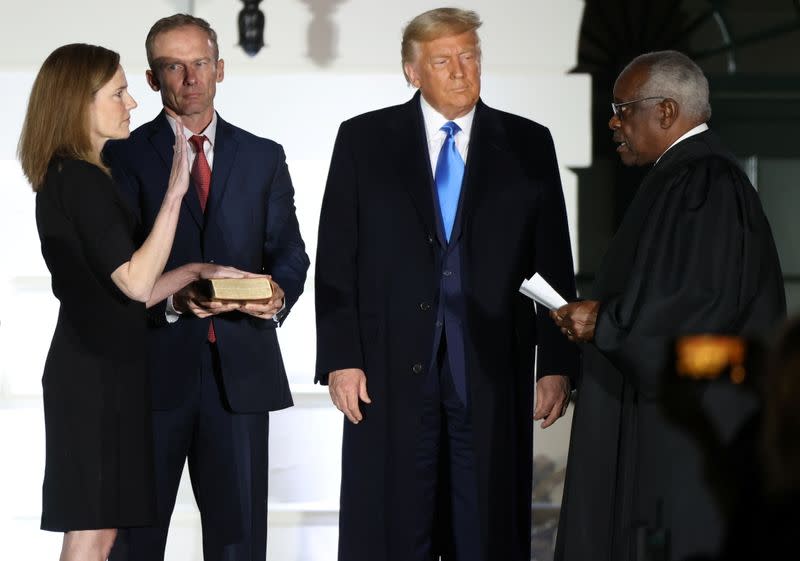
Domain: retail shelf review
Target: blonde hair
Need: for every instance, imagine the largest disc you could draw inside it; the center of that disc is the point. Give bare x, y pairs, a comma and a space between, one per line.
57, 119
433, 24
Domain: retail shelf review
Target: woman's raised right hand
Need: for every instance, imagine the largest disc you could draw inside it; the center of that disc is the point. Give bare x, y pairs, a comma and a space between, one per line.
179, 174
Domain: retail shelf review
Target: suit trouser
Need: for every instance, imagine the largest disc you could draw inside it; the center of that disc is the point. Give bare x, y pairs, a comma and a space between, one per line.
227, 457
445, 455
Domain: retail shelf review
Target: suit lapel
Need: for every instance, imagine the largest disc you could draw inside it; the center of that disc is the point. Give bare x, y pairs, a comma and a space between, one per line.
225, 147
162, 139
408, 143
483, 146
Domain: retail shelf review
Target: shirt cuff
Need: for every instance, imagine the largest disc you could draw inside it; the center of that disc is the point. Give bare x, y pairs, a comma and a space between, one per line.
277, 317
170, 312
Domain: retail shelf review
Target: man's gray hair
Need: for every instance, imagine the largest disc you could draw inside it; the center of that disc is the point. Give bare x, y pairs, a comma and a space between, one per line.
675, 75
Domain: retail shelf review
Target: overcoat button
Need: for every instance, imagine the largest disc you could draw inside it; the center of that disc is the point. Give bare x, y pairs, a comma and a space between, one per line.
429, 239
417, 368
424, 306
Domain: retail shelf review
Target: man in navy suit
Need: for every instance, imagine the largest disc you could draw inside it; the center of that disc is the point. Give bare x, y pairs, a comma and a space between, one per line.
434, 212
216, 369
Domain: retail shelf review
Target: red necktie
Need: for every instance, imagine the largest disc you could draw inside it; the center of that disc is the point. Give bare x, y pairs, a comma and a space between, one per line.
201, 171
201, 175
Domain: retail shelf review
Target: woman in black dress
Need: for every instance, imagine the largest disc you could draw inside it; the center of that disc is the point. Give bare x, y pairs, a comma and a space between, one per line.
98, 472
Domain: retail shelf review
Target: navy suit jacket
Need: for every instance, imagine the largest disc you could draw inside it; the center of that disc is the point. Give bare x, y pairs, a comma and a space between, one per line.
249, 223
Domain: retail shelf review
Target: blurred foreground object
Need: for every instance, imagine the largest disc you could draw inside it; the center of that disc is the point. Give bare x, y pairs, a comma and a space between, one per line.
709, 356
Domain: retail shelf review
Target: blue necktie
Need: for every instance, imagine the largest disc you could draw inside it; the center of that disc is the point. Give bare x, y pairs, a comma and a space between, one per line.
449, 173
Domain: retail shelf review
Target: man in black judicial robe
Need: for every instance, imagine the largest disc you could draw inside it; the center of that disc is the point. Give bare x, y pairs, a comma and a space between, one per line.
408, 316
694, 254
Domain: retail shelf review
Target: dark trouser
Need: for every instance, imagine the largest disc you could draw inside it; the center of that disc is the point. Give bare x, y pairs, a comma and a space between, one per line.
446, 448
227, 455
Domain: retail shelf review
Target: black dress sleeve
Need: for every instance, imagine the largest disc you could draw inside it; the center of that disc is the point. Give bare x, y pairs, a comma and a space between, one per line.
101, 221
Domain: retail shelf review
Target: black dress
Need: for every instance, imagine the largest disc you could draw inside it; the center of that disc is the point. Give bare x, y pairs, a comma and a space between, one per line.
99, 464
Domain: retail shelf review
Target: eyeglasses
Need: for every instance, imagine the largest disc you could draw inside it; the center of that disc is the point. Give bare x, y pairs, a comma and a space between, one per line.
615, 107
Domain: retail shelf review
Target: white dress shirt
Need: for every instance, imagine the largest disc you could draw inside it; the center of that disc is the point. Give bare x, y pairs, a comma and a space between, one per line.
208, 147
210, 133
433, 124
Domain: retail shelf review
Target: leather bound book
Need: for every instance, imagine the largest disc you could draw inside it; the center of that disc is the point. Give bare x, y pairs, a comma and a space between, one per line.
253, 288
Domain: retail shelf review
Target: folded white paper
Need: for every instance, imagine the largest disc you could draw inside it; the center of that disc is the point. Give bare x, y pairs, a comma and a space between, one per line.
540, 291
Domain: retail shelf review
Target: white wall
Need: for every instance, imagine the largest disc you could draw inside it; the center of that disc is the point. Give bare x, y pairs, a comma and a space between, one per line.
282, 93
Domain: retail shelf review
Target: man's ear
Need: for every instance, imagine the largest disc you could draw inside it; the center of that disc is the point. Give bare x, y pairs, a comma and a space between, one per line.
152, 80
220, 70
411, 74
670, 110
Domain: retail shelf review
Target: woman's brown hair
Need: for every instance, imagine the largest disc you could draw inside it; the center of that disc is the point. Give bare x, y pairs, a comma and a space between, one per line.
57, 119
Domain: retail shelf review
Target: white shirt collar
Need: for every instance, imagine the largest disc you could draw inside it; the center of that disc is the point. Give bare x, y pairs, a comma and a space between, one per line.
434, 120
691, 132
210, 131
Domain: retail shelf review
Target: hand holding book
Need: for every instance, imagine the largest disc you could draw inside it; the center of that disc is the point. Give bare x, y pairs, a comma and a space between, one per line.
225, 289
252, 294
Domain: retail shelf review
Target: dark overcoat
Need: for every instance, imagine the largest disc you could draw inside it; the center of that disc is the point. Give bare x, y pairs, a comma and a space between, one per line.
377, 282
694, 254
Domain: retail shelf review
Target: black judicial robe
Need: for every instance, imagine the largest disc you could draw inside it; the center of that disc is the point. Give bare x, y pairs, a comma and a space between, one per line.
694, 254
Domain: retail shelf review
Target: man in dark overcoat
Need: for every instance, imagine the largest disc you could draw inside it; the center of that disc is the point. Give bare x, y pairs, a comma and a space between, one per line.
433, 214
694, 254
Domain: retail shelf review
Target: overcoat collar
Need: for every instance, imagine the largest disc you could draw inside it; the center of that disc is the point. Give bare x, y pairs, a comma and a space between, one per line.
412, 164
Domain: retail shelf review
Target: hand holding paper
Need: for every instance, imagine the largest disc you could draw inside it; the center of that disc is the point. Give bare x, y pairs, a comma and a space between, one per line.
576, 321
540, 291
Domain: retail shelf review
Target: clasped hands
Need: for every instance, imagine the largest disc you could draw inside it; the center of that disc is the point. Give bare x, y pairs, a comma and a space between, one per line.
577, 320
190, 299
